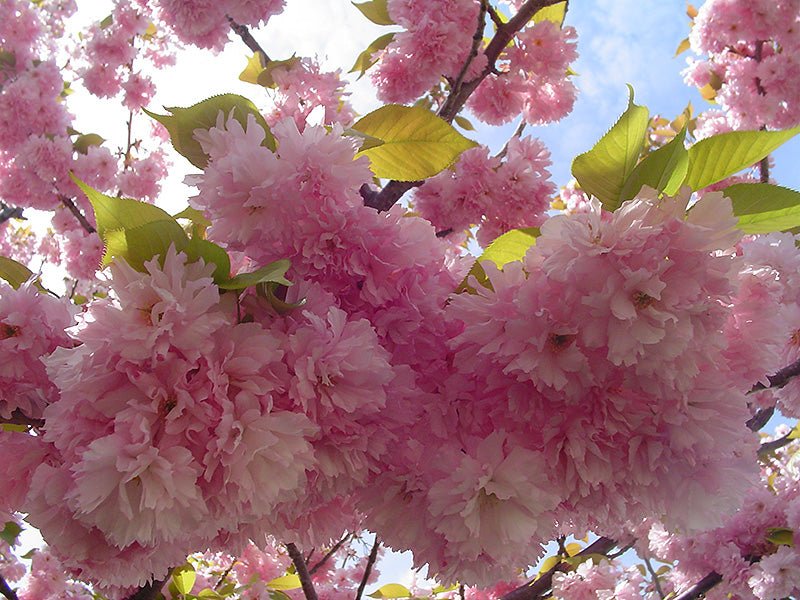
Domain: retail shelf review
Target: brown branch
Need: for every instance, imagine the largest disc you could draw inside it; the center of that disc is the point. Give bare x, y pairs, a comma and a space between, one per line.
19, 418
373, 555
758, 420
537, 588
243, 32
779, 379
459, 94
66, 201
329, 553
9, 212
766, 448
517, 134
6, 590
149, 591
302, 572
701, 587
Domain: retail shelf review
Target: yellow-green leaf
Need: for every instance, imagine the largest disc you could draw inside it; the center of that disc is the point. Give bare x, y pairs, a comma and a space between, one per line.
663, 170
376, 11
416, 143
780, 536
464, 123
573, 548
683, 46
265, 76
137, 245
285, 582
795, 432
554, 13
184, 577
603, 170
509, 247
211, 253
252, 69
272, 273
365, 60
13, 272
720, 156
85, 141
763, 207
391, 590
181, 123
548, 563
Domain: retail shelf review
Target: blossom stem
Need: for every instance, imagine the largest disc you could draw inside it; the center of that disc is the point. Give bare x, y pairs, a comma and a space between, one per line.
656, 582
6, 590
302, 571
373, 555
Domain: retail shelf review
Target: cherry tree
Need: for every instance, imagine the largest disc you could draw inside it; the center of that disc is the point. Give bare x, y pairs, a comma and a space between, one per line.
258, 394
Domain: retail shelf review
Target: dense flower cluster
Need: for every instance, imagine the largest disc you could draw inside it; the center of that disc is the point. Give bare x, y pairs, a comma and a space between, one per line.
499, 195
750, 50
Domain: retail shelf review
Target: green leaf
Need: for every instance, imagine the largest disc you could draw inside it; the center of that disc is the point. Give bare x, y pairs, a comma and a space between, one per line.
683, 47
416, 143
391, 590
376, 11
278, 595
210, 253
509, 247
780, 536
184, 577
272, 273
603, 170
440, 589
285, 582
795, 432
106, 23
365, 60
252, 69
267, 291
112, 213
211, 594
464, 123
763, 207
182, 123
85, 141
663, 170
137, 245
555, 14
13, 272
199, 221
14, 428
265, 76
720, 156
10, 533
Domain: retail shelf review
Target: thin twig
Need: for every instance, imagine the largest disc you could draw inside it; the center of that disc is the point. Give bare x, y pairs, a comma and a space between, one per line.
373, 555
66, 201
302, 572
495, 16
537, 588
701, 587
243, 32
517, 134
652, 572
461, 591
477, 38
224, 576
329, 553
6, 590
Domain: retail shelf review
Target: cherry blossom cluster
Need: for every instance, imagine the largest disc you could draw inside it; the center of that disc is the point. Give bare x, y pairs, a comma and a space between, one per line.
498, 194
749, 51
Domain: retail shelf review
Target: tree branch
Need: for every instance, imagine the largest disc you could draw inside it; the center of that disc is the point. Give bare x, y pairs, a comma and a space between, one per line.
758, 420
537, 588
149, 591
779, 379
302, 572
19, 418
765, 449
6, 590
373, 555
243, 32
329, 553
9, 212
701, 587
66, 201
